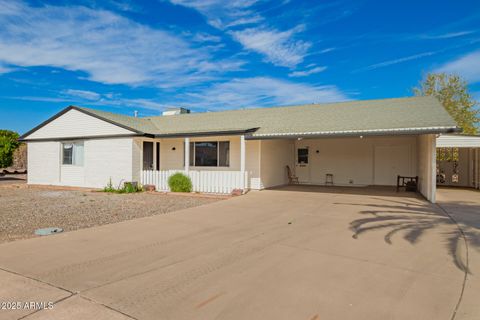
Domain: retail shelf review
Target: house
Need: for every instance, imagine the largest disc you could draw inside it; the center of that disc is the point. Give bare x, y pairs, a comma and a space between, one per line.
458, 161
358, 143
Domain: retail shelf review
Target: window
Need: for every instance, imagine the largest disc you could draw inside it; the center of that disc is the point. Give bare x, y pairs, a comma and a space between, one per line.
210, 154
72, 153
302, 155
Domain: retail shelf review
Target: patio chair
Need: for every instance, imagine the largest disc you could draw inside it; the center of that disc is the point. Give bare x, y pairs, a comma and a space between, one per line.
292, 179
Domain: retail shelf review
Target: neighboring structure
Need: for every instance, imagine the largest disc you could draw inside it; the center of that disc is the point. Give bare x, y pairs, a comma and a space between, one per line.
360, 143
458, 161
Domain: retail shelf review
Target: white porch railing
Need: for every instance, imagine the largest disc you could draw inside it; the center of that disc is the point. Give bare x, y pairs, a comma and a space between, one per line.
202, 181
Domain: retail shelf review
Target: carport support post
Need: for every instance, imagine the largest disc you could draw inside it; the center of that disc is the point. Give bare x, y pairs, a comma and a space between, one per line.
477, 167
242, 159
187, 155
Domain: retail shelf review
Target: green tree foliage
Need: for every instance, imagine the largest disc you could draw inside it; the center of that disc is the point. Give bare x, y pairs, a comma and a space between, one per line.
452, 91
8, 144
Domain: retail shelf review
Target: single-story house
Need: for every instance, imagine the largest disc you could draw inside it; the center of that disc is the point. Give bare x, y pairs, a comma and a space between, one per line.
458, 160
357, 143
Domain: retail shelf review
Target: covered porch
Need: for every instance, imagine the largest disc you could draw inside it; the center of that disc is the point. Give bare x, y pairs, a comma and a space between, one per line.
215, 164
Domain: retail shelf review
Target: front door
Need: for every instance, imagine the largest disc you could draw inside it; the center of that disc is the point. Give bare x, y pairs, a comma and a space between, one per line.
302, 166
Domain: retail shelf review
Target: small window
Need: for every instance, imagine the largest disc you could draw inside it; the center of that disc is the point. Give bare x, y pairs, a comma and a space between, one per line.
302, 155
210, 154
72, 153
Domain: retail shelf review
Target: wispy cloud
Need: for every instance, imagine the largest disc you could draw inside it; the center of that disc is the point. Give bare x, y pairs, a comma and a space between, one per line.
248, 27
307, 72
84, 94
223, 14
109, 48
467, 66
258, 92
279, 47
447, 35
396, 61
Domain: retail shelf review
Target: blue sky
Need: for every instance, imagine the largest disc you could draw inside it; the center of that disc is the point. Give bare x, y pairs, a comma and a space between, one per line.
210, 55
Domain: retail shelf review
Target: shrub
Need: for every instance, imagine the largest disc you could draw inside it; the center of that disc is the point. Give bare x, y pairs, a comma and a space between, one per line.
8, 144
180, 183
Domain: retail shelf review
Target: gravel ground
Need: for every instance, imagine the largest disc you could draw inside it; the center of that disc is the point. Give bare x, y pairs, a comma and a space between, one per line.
23, 209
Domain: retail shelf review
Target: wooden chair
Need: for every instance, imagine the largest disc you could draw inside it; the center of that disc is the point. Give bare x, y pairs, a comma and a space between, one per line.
292, 179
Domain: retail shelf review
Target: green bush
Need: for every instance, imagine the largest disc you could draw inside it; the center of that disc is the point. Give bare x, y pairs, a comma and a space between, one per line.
8, 144
180, 183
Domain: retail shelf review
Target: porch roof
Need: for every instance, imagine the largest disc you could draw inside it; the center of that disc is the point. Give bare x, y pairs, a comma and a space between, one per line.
413, 115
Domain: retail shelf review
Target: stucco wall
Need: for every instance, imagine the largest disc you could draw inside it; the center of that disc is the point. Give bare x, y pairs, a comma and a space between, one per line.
361, 161
275, 156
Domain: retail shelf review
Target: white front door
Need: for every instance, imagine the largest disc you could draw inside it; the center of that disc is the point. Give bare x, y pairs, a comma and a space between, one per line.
302, 166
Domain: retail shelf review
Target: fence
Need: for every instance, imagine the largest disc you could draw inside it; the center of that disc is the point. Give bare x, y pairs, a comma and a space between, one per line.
202, 181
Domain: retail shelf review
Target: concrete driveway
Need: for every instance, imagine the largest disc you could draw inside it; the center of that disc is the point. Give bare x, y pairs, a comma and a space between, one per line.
291, 253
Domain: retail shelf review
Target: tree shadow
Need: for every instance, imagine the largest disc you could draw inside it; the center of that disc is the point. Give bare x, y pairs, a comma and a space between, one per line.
413, 219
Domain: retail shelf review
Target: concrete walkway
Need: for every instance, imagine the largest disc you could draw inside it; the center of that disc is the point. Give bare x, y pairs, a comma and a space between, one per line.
292, 253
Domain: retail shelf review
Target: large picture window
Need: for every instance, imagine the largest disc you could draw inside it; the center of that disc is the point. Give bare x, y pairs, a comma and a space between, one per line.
210, 154
72, 153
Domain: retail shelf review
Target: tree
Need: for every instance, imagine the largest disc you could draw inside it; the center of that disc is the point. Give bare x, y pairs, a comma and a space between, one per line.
452, 91
8, 144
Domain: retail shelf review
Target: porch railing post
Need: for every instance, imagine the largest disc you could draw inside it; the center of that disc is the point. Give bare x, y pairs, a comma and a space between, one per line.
187, 155
242, 160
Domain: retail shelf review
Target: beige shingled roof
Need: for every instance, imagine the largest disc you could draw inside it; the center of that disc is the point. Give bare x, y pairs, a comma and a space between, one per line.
415, 114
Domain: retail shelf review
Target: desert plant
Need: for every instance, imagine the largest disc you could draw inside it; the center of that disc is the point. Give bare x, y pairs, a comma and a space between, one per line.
128, 187
180, 183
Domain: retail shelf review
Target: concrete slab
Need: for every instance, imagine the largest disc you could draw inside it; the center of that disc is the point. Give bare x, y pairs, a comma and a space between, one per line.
291, 253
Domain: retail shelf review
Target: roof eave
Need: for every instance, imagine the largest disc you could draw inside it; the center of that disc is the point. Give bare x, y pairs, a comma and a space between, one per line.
207, 133
353, 133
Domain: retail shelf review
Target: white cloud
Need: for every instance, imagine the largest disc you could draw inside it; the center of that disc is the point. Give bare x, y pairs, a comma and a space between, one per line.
278, 46
467, 66
258, 92
251, 29
307, 72
84, 94
223, 14
107, 47
396, 61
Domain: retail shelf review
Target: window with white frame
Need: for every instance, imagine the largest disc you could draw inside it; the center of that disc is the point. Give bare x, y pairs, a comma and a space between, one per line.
72, 153
210, 153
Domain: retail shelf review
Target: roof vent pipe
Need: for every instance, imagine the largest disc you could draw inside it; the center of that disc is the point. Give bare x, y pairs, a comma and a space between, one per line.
135, 114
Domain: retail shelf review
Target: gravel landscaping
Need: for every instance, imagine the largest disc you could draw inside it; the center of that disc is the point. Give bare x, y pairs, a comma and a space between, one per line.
24, 209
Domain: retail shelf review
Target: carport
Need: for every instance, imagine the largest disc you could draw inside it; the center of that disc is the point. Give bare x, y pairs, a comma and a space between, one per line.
458, 161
